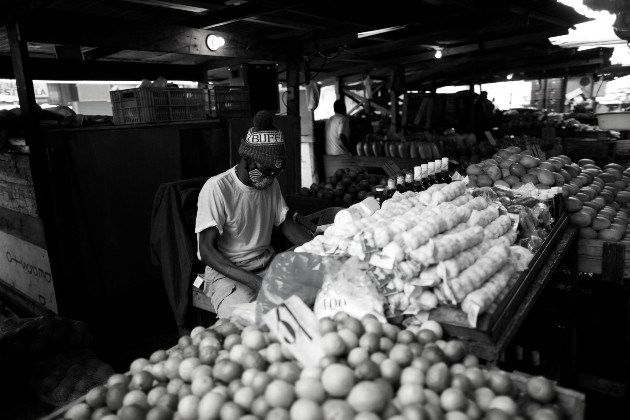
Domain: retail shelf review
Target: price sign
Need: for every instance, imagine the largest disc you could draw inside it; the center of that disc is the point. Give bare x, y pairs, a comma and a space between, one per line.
296, 327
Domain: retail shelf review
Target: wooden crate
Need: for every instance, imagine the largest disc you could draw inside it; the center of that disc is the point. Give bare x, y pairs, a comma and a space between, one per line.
573, 402
610, 259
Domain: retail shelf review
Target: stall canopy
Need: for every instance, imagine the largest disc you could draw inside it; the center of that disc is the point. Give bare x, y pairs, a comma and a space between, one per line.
480, 41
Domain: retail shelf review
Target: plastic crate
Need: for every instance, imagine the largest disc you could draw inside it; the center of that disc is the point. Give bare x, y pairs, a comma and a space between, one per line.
229, 101
150, 104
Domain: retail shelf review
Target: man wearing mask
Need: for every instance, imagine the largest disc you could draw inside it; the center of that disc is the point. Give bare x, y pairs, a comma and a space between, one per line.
236, 212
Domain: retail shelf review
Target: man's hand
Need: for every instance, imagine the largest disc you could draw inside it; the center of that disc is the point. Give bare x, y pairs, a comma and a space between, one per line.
213, 258
294, 233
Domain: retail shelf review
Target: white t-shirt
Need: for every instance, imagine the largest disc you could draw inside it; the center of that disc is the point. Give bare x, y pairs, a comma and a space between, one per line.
335, 126
244, 215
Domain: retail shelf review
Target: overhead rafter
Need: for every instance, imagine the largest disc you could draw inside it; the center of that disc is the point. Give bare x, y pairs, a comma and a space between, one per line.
13, 10
194, 6
69, 29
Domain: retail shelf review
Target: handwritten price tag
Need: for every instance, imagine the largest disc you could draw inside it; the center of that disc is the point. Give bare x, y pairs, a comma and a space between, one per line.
382, 261
296, 327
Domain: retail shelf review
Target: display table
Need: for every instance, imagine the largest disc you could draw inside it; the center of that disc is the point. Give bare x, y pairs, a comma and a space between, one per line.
496, 328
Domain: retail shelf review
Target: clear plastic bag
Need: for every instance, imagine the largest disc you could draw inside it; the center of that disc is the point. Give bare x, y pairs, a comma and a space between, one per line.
350, 289
293, 273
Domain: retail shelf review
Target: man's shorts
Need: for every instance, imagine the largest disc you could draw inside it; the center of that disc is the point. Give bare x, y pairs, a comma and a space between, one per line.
225, 292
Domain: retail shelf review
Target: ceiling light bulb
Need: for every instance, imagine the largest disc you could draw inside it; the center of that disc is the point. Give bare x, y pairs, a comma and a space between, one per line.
438, 54
509, 76
215, 42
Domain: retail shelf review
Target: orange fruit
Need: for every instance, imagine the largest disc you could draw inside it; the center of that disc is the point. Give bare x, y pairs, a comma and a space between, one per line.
453, 399
279, 394
278, 413
378, 357
231, 411
455, 351
260, 407
158, 413
412, 375
133, 412
142, 380
545, 414
78, 411
367, 415
366, 396
210, 405
226, 371
136, 397
244, 397
304, 409
311, 389
390, 370
188, 407
137, 365
356, 356
367, 370
154, 395
201, 385
338, 380
426, 336
505, 404
168, 401
438, 377
254, 339
410, 394
483, 396
500, 382
289, 372
401, 354
95, 397
333, 344
115, 395
326, 325
463, 383
541, 389
350, 339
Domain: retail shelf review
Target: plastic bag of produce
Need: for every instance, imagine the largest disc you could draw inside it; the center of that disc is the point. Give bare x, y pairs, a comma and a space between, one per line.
349, 289
293, 273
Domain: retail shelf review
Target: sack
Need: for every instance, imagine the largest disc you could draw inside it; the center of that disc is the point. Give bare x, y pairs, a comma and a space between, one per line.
350, 290
292, 273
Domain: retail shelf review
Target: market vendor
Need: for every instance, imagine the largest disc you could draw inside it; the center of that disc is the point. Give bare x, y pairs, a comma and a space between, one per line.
236, 212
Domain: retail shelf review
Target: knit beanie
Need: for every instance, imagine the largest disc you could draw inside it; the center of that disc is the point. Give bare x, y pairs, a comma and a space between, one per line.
264, 142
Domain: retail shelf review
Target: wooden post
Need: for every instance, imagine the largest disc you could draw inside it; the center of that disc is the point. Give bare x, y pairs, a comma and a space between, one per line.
293, 88
38, 159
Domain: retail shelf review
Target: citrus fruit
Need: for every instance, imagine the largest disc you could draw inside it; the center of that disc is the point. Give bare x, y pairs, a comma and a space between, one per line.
133, 412
545, 414
412, 375
142, 380
254, 339
336, 409
327, 325
390, 370
438, 377
367, 370
483, 396
279, 394
78, 412
231, 411
366, 415
433, 326
366, 396
244, 397
226, 371
505, 404
455, 351
136, 397
260, 407
154, 395
137, 365
289, 372
115, 395
410, 394
350, 339
95, 397
356, 356
338, 380
401, 354
201, 385
500, 382
310, 389
304, 409
453, 399
369, 342
210, 406
541, 389
169, 401
188, 407
277, 413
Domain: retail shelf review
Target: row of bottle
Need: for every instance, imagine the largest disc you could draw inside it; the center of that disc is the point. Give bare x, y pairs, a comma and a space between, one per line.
422, 177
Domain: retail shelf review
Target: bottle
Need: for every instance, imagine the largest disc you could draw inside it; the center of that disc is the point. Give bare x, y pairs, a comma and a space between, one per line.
432, 180
417, 179
438, 171
391, 187
400, 182
446, 176
425, 176
379, 196
408, 181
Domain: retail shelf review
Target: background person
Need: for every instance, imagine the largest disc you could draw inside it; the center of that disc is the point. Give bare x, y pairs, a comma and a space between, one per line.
338, 130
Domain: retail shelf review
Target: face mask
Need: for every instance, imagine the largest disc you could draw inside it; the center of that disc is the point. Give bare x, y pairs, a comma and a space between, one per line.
260, 181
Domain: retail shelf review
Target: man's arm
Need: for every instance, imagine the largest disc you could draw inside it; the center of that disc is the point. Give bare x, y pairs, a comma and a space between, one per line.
213, 258
293, 232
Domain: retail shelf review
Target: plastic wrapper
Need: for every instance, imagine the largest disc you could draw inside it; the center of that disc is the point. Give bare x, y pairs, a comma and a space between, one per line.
497, 227
483, 217
348, 288
485, 192
293, 273
520, 257
478, 301
449, 192
477, 203
478, 273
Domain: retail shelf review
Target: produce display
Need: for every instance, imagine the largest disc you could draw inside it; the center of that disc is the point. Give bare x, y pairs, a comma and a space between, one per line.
597, 201
438, 246
348, 185
513, 168
370, 370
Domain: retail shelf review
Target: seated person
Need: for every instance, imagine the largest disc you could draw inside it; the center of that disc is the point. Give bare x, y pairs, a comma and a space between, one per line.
236, 212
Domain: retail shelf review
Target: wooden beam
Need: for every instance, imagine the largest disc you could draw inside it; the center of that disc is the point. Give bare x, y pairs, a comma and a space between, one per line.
78, 29
364, 101
193, 6
54, 69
